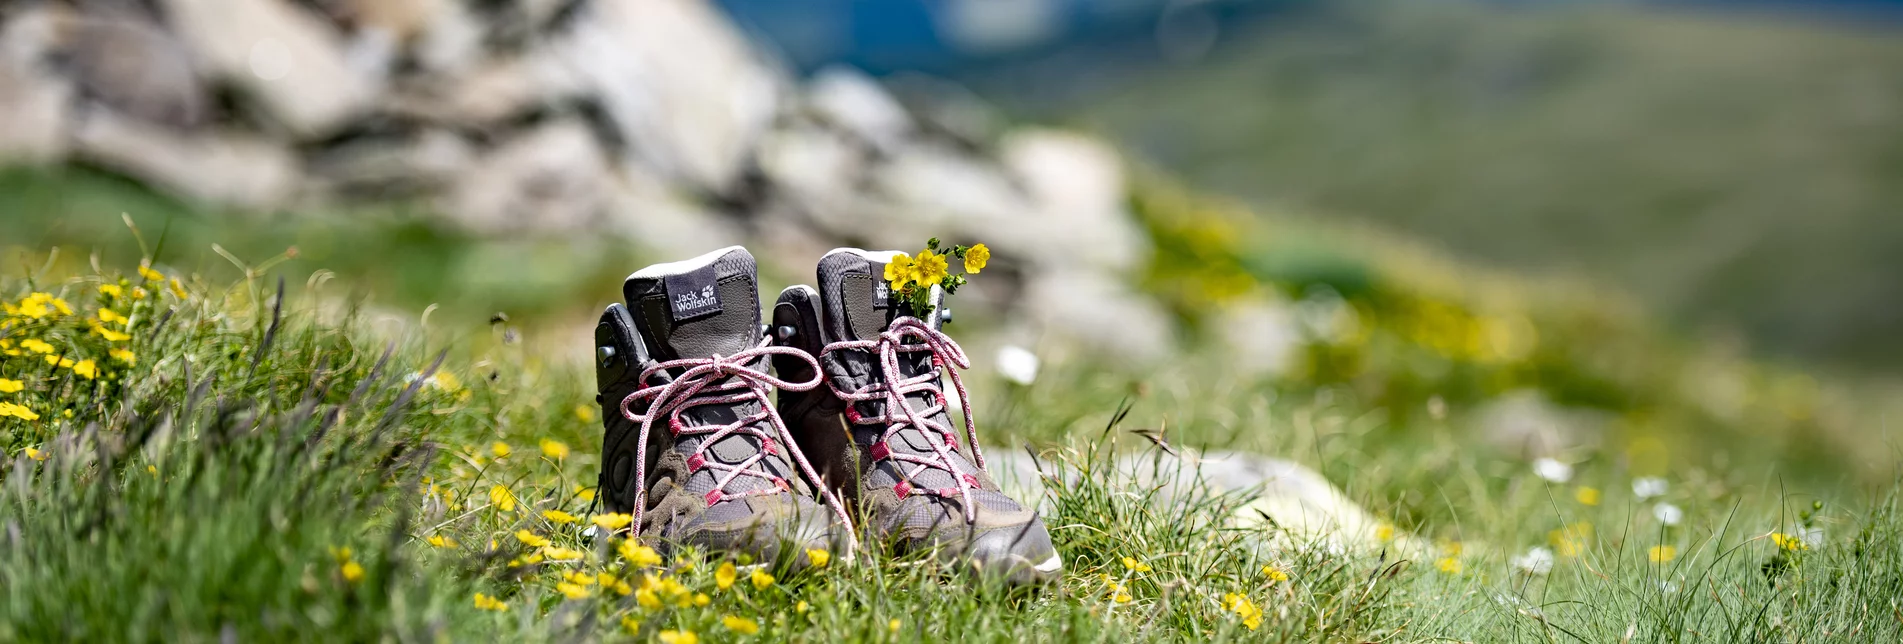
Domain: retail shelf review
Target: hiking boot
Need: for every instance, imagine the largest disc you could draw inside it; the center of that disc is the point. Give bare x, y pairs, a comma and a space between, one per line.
900, 463
694, 448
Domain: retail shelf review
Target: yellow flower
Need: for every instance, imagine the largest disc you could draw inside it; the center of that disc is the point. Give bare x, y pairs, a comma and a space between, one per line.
1242, 607
559, 517
585, 413
740, 625
352, 571
612, 522
673, 587
59, 362
899, 271
178, 289
17, 411
445, 382
638, 555
647, 599
86, 369
801, 607
1133, 565
502, 498
976, 257
500, 449
572, 591
1586, 495
36, 345
38, 455
584, 493
111, 290
761, 579
1448, 565
138, 293
1784, 541
702, 600
1384, 532
109, 316
554, 449
152, 469
145, 271
443, 541
124, 356
1570, 541
819, 557
581, 578
111, 335
558, 553
1274, 573
1661, 554
630, 624
892, 625
485, 602
725, 575
10, 386
679, 637
530, 539
930, 267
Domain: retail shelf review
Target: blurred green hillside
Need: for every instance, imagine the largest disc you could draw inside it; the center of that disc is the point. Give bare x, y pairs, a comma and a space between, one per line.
1733, 170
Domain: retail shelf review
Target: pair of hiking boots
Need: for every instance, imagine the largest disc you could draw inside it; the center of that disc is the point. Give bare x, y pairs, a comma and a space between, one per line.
700, 450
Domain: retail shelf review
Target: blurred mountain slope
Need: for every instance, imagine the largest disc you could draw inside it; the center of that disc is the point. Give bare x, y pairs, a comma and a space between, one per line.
1732, 169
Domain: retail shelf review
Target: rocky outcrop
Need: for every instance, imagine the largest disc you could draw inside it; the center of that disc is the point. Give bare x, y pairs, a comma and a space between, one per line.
654, 120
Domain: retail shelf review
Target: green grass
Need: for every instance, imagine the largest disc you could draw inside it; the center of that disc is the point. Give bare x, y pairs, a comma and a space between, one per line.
208, 491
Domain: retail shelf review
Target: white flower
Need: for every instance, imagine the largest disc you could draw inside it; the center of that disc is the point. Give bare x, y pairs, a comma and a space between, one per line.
1646, 487
1538, 561
1017, 364
1553, 470
1667, 513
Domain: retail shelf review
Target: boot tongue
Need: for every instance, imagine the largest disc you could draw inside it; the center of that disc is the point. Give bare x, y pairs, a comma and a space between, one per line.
699, 307
860, 306
695, 309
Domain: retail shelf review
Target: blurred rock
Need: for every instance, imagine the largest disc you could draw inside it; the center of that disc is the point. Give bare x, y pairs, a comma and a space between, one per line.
287, 59
1102, 312
652, 121
550, 178
33, 115
685, 92
659, 217
1526, 424
1077, 185
1262, 337
411, 163
848, 99
136, 69
818, 172
214, 167
1287, 505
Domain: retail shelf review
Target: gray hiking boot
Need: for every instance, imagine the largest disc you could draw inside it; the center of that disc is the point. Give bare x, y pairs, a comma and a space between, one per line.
694, 448
917, 487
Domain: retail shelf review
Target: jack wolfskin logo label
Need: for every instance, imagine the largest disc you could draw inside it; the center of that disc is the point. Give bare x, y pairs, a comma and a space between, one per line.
692, 295
881, 295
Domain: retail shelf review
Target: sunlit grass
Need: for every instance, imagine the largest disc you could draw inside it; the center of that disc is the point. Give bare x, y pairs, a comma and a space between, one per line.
272, 469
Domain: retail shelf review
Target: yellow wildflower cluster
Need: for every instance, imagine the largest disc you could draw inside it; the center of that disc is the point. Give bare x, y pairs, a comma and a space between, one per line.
912, 276
1243, 608
43, 334
1788, 542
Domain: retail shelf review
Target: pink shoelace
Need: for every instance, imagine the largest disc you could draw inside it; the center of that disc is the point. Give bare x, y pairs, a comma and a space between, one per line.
725, 380
893, 390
